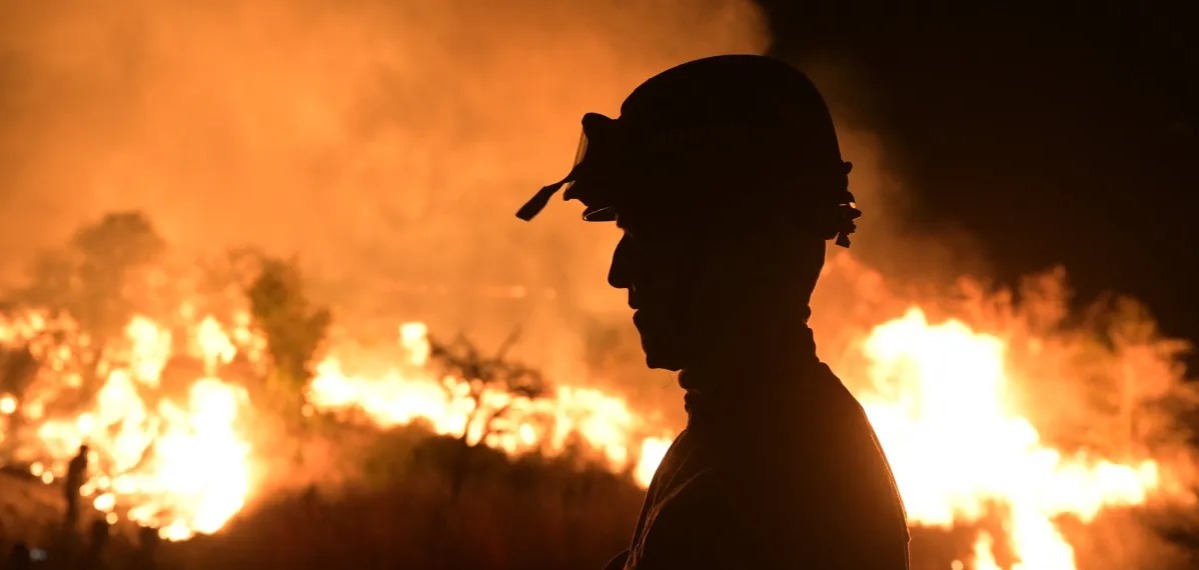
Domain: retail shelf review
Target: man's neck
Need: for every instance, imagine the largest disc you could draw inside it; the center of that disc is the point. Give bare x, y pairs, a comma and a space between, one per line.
750, 359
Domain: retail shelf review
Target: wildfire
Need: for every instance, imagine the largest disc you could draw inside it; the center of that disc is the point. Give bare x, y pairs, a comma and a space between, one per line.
939, 395
183, 463
176, 463
941, 403
491, 416
178, 457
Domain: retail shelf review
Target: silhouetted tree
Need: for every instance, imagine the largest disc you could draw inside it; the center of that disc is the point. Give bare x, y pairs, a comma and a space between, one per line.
116, 256
223, 279
18, 366
107, 273
462, 359
481, 374
293, 325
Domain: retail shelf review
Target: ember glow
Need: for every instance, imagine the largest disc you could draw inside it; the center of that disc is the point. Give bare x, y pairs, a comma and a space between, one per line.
178, 457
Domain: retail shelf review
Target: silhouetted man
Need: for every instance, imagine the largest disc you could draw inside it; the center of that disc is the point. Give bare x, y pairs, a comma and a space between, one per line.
20, 558
727, 179
76, 476
145, 557
94, 556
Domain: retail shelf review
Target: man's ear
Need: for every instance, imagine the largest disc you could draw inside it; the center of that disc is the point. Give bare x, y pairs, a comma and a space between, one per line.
730, 266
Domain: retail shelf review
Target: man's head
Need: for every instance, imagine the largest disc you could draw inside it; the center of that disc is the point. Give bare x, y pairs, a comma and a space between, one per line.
83, 450
726, 177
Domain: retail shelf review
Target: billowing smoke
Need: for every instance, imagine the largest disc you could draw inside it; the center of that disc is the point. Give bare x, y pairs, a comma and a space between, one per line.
388, 145
385, 143
889, 237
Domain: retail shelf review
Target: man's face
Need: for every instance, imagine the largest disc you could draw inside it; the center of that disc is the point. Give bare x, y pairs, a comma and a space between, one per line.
657, 270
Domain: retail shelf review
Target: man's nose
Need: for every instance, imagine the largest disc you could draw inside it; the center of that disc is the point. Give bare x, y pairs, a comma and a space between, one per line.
619, 273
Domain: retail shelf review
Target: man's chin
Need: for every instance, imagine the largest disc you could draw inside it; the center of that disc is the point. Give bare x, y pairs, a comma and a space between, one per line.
663, 364
662, 359
660, 343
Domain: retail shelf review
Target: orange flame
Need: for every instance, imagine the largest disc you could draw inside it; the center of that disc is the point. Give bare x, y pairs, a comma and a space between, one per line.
941, 396
182, 467
400, 395
942, 408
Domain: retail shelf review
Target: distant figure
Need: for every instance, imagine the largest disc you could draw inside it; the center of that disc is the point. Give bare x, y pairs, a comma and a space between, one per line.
311, 498
145, 557
93, 556
20, 558
76, 476
726, 178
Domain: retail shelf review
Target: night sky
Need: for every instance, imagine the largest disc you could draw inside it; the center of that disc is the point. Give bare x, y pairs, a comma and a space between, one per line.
1054, 136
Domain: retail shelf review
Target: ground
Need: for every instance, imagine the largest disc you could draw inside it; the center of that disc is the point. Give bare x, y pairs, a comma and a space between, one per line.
531, 513
29, 509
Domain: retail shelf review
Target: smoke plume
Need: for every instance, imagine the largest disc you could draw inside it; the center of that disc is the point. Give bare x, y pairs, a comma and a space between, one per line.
383, 142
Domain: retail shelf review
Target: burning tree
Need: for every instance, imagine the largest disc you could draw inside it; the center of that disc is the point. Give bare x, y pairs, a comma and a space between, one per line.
294, 327
109, 271
484, 378
104, 275
483, 375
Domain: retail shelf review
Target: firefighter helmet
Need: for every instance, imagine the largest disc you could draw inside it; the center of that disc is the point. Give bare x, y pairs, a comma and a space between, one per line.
727, 137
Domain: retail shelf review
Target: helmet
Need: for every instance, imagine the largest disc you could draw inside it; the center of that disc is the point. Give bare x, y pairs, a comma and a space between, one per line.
730, 136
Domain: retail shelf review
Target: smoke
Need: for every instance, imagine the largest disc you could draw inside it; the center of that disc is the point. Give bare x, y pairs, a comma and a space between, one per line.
388, 144
383, 142
890, 237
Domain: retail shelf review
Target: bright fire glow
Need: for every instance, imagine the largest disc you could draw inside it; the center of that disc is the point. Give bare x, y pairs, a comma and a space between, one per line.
497, 418
956, 442
176, 456
178, 463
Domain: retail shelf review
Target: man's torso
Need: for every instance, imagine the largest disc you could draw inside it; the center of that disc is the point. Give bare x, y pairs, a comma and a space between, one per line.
793, 480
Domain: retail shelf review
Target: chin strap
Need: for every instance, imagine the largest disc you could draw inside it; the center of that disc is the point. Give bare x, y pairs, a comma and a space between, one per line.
847, 226
539, 200
847, 212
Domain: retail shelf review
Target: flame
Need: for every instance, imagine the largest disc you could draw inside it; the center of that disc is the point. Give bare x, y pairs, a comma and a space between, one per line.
943, 397
497, 418
939, 395
180, 466
202, 465
942, 405
653, 449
